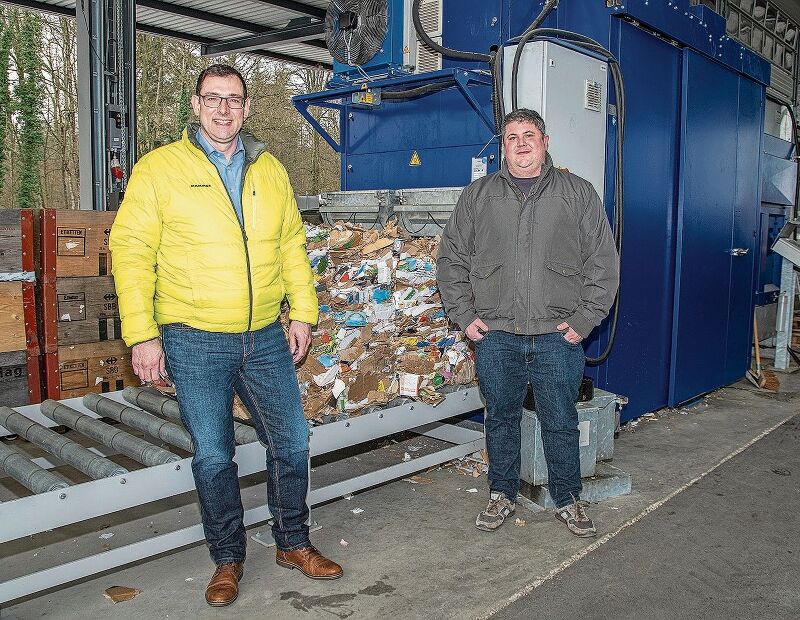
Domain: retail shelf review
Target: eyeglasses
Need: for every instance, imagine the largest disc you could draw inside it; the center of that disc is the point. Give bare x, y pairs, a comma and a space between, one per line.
214, 101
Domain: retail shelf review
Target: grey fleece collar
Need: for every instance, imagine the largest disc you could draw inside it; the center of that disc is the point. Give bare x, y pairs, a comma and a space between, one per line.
253, 147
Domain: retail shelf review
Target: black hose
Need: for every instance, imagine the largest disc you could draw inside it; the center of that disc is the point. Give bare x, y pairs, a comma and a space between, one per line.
549, 6
619, 193
444, 51
535, 33
540, 33
415, 92
529, 31
498, 104
494, 59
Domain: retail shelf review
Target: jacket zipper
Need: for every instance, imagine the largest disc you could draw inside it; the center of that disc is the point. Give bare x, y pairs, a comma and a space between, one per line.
247, 164
246, 248
244, 238
523, 199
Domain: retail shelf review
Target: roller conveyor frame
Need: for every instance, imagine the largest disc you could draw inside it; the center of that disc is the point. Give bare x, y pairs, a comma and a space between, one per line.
46, 511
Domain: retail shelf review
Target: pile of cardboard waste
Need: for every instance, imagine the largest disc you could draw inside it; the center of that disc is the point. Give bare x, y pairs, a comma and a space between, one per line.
382, 333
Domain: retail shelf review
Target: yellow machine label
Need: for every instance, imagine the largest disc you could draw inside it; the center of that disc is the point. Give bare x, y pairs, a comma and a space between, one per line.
415, 160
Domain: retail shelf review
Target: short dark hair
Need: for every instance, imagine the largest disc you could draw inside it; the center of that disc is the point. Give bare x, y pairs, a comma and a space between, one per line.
219, 71
523, 115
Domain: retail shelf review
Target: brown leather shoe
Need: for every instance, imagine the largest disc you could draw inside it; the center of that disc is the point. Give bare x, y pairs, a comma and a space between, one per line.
224, 585
310, 562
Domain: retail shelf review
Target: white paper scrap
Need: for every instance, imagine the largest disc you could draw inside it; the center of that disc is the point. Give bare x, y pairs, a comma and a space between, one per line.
338, 388
409, 384
327, 377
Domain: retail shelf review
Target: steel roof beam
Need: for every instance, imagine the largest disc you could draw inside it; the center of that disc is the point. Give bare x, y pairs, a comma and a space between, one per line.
297, 7
262, 41
214, 18
42, 6
204, 16
184, 36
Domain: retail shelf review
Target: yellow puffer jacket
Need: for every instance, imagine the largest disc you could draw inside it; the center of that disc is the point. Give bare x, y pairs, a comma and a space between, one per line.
180, 255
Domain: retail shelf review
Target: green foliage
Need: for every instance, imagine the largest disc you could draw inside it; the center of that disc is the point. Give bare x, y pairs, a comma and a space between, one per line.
183, 112
28, 94
5, 94
39, 109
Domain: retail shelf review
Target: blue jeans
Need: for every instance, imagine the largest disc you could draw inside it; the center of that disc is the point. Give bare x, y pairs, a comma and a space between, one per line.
505, 364
206, 369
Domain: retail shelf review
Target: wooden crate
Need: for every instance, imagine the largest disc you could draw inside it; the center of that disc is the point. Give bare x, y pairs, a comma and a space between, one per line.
78, 311
75, 243
83, 368
16, 241
18, 317
20, 379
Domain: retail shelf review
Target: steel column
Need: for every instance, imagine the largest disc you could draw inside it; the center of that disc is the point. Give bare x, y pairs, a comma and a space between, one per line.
90, 27
129, 82
783, 323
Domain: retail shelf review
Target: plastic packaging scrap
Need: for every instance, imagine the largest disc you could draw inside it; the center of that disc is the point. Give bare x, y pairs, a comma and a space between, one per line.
472, 465
382, 334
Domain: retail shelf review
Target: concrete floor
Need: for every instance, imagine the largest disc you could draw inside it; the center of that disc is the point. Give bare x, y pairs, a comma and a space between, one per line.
727, 547
413, 552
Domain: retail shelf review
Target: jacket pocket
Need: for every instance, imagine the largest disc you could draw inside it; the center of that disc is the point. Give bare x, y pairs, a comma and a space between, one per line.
485, 281
563, 285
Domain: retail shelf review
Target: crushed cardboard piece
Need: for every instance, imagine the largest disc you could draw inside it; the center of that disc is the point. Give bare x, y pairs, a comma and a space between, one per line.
418, 480
415, 364
363, 384
381, 324
118, 594
377, 246
339, 239
376, 397
240, 412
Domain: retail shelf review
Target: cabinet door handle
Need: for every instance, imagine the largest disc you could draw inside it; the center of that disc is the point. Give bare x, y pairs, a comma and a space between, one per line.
739, 251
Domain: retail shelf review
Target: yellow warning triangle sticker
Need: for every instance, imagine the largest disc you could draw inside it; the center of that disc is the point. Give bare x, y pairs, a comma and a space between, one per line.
415, 160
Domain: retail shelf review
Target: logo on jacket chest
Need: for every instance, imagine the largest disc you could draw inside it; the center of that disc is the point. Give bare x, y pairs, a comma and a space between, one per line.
200, 185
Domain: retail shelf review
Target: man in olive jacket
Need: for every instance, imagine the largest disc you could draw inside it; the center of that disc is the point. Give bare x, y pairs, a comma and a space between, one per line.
527, 267
206, 245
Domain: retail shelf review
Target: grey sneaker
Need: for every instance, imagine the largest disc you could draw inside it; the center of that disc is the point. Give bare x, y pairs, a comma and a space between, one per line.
575, 518
497, 510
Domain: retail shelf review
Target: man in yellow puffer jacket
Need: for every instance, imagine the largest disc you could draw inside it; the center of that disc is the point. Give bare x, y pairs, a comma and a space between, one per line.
206, 246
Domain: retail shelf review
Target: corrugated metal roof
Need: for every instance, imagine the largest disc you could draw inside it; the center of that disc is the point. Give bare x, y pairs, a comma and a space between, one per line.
216, 21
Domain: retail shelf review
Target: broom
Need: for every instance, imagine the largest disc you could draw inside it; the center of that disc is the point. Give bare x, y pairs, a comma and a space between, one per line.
765, 380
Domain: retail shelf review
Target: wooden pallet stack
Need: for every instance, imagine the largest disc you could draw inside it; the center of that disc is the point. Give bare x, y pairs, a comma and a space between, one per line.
20, 376
83, 350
